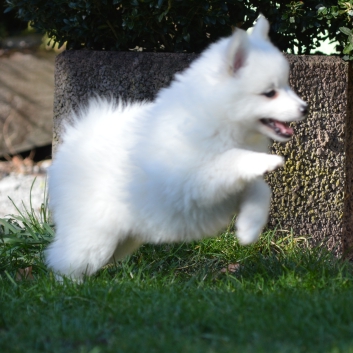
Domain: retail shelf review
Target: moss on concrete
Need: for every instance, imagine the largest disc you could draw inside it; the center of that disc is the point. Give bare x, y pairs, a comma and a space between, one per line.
309, 191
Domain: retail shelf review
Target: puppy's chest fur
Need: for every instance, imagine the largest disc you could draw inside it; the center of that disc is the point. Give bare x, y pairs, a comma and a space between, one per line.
170, 182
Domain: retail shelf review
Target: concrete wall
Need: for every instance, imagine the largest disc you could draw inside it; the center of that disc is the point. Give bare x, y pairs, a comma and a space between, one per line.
312, 193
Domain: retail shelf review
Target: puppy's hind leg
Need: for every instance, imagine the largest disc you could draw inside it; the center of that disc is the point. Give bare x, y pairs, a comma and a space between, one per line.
82, 251
253, 213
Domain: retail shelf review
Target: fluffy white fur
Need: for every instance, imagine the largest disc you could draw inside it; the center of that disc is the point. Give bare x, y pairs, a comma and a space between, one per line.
178, 168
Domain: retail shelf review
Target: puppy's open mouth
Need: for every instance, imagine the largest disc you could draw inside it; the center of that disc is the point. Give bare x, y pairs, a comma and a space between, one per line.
280, 128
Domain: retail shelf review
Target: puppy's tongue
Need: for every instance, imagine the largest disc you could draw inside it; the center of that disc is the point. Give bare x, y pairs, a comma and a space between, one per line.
283, 128
280, 128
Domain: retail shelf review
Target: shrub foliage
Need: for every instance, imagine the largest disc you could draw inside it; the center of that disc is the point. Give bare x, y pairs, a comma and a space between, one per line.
186, 25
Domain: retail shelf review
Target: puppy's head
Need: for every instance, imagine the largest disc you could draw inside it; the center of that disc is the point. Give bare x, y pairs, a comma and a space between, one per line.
258, 81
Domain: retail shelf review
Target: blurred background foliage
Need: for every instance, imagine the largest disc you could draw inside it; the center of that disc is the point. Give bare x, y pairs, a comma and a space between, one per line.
186, 25
10, 24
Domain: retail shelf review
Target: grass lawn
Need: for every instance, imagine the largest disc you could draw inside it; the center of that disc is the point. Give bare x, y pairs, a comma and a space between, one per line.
278, 295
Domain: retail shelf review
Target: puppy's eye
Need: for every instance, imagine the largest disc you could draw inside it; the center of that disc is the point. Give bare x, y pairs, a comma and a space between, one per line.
270, 94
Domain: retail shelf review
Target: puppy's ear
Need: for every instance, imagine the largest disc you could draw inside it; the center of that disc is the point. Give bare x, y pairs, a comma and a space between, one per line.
261, 29
237, 51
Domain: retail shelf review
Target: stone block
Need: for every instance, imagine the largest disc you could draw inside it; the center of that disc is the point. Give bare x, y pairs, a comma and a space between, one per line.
131, 76
310, 192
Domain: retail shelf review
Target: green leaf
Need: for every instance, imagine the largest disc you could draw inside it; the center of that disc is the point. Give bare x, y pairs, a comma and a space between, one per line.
346, 31
221, 21
346, 57
161, 16
187, 37
348, 49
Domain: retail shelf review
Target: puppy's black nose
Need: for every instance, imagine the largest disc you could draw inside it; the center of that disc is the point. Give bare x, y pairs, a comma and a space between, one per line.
304, 109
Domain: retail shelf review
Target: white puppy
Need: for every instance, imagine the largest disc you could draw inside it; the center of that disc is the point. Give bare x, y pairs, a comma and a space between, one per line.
176, 169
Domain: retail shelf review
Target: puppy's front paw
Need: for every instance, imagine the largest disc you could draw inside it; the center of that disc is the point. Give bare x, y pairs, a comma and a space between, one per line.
247, 233
273, 162
253, 165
